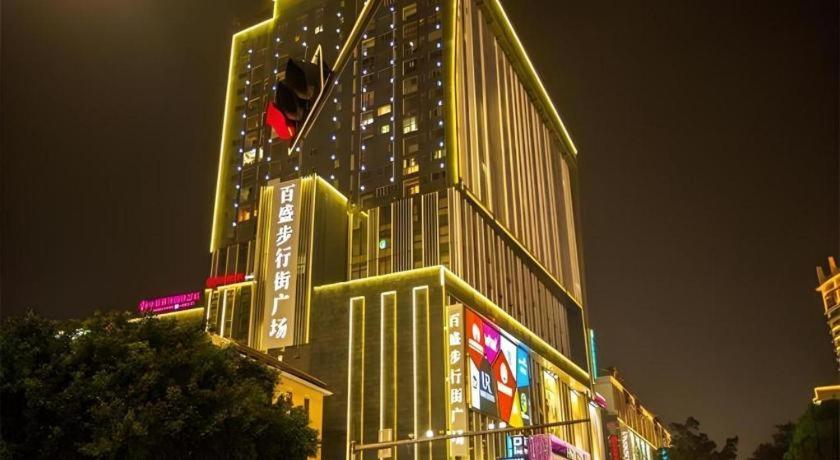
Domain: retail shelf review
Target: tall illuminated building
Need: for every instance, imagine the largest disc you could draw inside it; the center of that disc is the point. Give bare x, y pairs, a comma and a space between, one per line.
417, 249
829, 289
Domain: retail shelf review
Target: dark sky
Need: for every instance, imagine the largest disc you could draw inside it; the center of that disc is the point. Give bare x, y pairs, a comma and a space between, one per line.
708, 138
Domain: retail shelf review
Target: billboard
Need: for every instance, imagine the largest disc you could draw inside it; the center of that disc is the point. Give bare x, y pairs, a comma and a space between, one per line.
280, 259
170, 303
499, 371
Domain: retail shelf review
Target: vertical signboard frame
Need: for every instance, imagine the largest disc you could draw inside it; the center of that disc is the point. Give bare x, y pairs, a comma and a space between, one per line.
456, 395
280, 261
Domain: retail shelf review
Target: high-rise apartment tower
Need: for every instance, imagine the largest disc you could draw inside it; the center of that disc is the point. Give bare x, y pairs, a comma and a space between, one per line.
416, 248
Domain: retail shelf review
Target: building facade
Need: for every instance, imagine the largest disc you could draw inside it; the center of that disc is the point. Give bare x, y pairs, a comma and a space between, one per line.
829, 289
631, 431
428, 214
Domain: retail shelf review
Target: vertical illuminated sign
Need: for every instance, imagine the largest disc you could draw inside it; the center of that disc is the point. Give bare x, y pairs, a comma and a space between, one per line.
281, 264
457, 397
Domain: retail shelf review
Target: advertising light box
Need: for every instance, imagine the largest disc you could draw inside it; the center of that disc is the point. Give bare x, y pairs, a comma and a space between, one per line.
500, 383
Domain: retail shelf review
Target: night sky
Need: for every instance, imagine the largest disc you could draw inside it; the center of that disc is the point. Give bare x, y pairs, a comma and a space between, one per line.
708, 138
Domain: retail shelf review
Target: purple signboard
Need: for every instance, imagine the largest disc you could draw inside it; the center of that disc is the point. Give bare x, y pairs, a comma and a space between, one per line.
170, 303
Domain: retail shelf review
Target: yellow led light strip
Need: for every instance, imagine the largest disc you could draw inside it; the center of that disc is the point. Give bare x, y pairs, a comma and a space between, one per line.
475, 201
487, 308
498, 13
216, 231
450, 25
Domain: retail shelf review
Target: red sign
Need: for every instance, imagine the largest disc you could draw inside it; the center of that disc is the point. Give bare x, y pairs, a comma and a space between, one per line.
221, 280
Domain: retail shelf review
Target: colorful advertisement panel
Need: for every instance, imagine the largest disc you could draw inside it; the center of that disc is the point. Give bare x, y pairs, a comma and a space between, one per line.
280, 255
499, 372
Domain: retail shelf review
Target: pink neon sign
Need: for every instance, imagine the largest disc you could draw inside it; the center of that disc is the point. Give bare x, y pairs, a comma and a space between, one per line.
170, 303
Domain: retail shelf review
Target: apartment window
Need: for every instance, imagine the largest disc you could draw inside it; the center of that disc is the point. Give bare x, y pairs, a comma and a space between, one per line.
410, 166
367, 118
411, 105
438, 154
410, 85
385, 129
368, 45
383, 110
367, 99
410, 124
411, 186
409, 66
244, 213
410, 146
410, 30
319, 29
369, 79
249, 157
409, 12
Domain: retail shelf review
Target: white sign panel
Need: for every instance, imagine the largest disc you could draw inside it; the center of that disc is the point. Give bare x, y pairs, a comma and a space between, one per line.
281, 264
456, 398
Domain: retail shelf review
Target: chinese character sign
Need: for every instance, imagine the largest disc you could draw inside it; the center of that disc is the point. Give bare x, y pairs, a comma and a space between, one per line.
281, 249
456, 399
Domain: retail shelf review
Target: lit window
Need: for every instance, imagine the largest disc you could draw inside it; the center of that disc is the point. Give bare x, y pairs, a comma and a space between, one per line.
410, 166
319, 29
410, 85
367, 118
383, 110
249, 157
438, 154
385, 129
410, 125
411, 187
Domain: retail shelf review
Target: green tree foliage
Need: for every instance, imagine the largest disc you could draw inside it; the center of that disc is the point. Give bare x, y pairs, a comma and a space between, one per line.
689, 443
775, 450
110, 388
816, 434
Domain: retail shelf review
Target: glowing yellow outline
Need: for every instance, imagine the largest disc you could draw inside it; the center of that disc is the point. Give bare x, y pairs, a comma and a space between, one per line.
496, 10
513, 326
215, 234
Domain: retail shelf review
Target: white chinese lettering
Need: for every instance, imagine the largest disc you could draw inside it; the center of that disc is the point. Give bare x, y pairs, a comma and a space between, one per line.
278, 328
287, 194
286, 215
281, 257
284, 234
281, 279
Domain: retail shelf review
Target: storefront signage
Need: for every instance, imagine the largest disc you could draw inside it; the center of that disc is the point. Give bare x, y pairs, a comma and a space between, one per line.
457, 398
281, 264
516, 446
548, 447
499, 372
213, 282
170, 303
